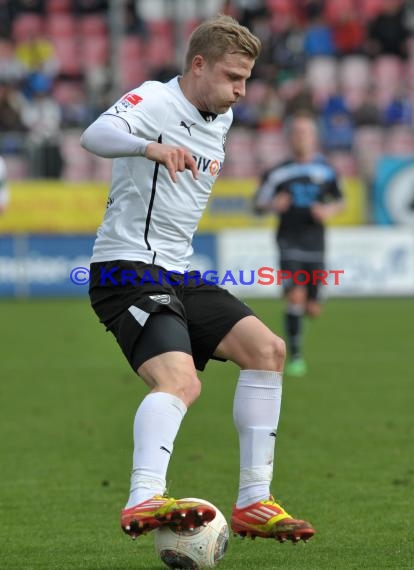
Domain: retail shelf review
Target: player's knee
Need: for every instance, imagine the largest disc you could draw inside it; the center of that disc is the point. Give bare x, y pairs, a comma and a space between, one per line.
313, 310
188, 388
270, 355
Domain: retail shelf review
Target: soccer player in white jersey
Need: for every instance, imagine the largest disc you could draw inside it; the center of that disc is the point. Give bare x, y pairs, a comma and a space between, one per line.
167, 142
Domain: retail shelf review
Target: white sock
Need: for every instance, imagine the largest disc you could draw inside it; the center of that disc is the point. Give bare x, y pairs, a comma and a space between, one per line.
256, 415
156, 425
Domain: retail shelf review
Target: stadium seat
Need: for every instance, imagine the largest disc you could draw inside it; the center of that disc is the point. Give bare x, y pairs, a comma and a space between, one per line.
159, 51
321, 76
354, 74
58, 6
132, 73
334, 11
26, 25
63, 91
355, 71
77, 161
94, 51
387, 69
189, 26
280, 6
93, 25
370, 8
409, 74
61, 26
240, 159
160, 28
69, 56
399, 141
270, 148
130, 47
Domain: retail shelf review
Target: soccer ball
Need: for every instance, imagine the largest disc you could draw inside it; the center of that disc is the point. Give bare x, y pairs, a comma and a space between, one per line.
202, 547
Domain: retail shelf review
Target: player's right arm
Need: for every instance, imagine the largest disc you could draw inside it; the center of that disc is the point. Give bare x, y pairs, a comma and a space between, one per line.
270, 196
131, 127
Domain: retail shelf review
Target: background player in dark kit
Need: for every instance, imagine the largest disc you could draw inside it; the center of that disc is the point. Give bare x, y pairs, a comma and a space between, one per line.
304, 192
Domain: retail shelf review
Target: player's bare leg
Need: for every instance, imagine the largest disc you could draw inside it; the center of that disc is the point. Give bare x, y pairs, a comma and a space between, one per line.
296, 303
261, 355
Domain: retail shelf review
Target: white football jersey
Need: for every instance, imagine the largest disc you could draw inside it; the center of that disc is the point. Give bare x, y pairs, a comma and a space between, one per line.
148, 217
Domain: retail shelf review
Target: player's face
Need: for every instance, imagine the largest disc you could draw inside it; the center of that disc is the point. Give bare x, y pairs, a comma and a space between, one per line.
223, 83
303, 136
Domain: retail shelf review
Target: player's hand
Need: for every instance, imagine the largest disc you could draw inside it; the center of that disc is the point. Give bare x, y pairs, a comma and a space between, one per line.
282, 202
320, 212
174, 158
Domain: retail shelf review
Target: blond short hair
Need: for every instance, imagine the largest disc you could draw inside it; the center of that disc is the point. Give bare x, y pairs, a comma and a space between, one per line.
218, 36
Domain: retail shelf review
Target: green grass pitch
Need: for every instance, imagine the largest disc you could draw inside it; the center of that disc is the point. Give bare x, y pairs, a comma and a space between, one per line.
345, 454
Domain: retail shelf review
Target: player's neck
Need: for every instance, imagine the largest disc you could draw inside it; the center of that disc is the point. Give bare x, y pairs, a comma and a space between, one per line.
187, 88
305, 157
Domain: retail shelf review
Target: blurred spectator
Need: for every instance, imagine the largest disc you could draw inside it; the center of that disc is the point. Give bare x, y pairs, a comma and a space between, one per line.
283, 57
301, 102
11, 69
310, 9
83, 7
43, 119
367, 113
399, 111
11, 105
255, 15
75, 111
4, 191
318, 39
388, 33
271, 111
299, 67
349, 32
5, 18
37, 54
248, 12
166, 71
26, 6
336, 125
133, 23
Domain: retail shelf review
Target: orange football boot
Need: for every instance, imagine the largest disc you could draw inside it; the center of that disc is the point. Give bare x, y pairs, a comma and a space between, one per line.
181, 514
267, 519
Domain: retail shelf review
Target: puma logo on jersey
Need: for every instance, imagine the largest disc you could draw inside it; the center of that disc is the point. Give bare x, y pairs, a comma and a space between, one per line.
188, 127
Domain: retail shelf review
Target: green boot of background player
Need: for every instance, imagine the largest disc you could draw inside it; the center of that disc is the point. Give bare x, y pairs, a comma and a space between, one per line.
296, 367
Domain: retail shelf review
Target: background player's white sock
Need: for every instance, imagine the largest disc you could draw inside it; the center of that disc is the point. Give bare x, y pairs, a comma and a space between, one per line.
156, 424
256, 415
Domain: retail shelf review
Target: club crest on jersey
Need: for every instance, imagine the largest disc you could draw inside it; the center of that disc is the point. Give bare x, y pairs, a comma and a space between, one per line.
130, 100
162, 299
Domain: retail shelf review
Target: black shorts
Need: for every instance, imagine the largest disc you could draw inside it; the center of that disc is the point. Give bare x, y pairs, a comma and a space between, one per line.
313, 287
125, 293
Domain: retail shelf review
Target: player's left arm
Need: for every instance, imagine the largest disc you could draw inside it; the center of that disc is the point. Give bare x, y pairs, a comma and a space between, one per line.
332, 202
